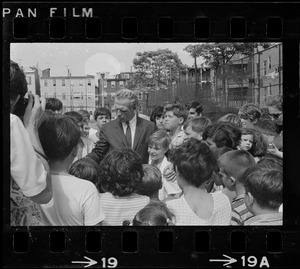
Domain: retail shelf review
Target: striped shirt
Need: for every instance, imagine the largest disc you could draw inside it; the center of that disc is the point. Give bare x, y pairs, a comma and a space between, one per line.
186, 216
272, 219
239, 210
117, 208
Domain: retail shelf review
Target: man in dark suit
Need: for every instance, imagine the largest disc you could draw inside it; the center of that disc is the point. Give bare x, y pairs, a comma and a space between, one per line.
127, 130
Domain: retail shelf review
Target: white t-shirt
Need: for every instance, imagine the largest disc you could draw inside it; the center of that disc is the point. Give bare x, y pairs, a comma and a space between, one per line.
221, 214
75, 202
26, 169
117, 208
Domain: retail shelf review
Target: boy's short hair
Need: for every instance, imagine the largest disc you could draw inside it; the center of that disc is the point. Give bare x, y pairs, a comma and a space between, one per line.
198, 124
59, 135
224, 134
194, 161
124, 94
250, 111
235, 163
160, 137
121, 171
275, 101
53, 104
178, 110
75, 115
151, 181
85, 168
195, 104
84, 113
102, 111
18, 82
271, 161
231, 118
265, 185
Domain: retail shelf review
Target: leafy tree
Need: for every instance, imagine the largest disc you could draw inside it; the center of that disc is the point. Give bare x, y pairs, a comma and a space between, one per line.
155, 69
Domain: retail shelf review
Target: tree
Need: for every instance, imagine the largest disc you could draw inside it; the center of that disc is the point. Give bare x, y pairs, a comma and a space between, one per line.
155, 69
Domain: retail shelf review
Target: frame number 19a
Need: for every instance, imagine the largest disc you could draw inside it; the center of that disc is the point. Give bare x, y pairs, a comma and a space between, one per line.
252, 261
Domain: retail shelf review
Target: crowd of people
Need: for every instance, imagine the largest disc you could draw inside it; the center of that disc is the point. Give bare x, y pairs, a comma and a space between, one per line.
178, 168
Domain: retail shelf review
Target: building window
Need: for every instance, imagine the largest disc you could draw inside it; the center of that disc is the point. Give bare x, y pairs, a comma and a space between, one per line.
105, 83
63, 82
80, 82
265, 67
89, 82
113, 84
140, 95
269, 62
121, 84
270, 89
140, 108
63, 96
126, 76
54, 82
46, 83
28, 80
77, 95
112, 96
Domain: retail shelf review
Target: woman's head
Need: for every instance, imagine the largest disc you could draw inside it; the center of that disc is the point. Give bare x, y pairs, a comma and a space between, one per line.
157, 117
249, 114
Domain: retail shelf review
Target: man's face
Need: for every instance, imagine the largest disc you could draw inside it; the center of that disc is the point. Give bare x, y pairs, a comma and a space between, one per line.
193, 113
101, 120
123, 110
171, 121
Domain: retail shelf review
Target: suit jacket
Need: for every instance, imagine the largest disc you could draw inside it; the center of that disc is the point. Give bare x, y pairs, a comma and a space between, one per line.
112, 137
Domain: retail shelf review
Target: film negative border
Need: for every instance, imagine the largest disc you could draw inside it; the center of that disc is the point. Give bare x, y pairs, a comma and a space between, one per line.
162, 247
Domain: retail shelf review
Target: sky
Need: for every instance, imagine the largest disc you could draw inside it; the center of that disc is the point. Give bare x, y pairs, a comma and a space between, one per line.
88, 58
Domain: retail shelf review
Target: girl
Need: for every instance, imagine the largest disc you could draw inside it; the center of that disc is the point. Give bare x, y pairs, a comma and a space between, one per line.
246, 139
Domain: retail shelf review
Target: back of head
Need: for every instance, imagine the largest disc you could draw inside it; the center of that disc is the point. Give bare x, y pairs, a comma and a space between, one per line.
198, 124
265, 185
157, 112
178, 110
250, 111
18, 83
156, 213
121, 171
234, 163
194, 161
225, 134
151, 181
160, 137
85, 114
59, 135
85, 168
53, 104
271, 161
102, 111
125, 94
231, 118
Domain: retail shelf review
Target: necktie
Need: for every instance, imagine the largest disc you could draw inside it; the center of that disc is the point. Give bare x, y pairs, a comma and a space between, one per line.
128, 135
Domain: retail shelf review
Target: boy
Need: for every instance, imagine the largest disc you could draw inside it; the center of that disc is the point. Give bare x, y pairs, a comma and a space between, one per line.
263, 195
174, 117
232, 165
102, 115
195, 126
151, 182
75, 201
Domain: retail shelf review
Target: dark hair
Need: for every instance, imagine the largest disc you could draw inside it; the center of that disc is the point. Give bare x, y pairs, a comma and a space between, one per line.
151, 181
156, 213
265, 185
84, 113
102, 111
121, 171
266, 126
75, 115
85, 168
225, 134
260, 144
53, 104
271, 161
251, 111
235, 163
178, 110
196, 105
18, 83
59, 135
194, 161
157, 112
198, 124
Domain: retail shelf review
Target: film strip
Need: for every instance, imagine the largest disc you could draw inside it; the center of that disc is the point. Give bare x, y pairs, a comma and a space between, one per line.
154, 247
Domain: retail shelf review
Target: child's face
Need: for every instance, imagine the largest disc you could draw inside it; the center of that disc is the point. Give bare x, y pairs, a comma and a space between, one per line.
246, 142
171, 121
226, 180
156, 152
85, 130
160, 122
190, 133
101, 120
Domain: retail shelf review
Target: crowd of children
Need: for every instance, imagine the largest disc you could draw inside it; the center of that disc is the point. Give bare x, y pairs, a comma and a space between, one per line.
199, 172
